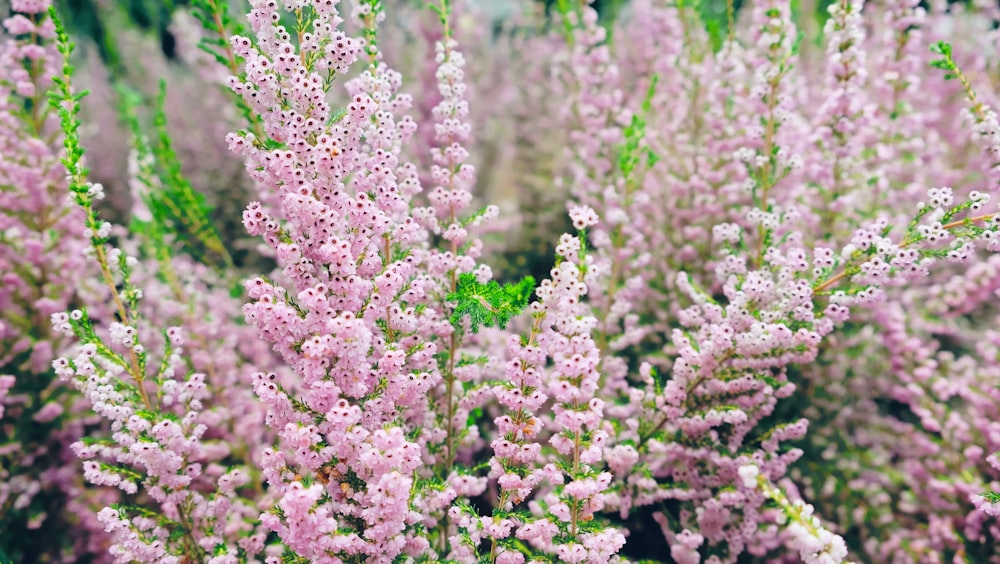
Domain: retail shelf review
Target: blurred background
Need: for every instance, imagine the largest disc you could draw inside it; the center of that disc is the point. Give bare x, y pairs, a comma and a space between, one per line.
95, 19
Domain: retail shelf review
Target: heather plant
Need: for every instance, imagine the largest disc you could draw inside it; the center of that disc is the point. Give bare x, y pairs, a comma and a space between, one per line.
758, 180
171, 427
43, 272
196, 131
351, 251
769, 333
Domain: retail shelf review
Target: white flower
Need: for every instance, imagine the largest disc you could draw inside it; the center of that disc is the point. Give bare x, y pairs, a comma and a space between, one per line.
749, 474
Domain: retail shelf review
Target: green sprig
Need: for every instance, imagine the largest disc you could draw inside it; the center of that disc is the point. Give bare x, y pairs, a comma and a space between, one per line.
175, 205
945, 63
488, 304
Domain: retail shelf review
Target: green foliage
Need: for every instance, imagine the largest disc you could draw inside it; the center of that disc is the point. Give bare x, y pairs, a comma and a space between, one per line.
67, 105
368, 30
99, 24
489, 304
631, 154
443, 11
219, 26
710, 14
176, 207
945, 63
564, 8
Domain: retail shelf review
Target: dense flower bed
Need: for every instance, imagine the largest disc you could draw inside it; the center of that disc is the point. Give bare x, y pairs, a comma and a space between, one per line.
764, 326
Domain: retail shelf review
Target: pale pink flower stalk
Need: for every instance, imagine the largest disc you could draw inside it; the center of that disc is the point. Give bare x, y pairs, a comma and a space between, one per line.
464, 384
898, 57
570, 481
466, 387
350, 251
596, 178
769, 155
453, 178
815, 544
614, 195
695, 175
516, 448
171, 428
579, 429
842, 123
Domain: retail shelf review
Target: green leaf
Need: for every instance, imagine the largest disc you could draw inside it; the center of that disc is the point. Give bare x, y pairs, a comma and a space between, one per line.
474, 416
992, 497
941, 48
647, 102
488, 304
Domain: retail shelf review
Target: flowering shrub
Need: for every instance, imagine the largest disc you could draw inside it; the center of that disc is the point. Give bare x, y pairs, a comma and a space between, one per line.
767, 334
44, 271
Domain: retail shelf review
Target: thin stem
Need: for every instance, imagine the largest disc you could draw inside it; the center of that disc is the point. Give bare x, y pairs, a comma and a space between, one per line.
844, 273
765, 175
234, 66
731, 20
109, 281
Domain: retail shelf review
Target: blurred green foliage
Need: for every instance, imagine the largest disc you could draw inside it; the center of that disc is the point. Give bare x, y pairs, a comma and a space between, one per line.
176, 208
92, 19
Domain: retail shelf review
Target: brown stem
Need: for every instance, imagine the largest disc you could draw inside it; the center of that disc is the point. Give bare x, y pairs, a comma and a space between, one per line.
958, 223
109, 281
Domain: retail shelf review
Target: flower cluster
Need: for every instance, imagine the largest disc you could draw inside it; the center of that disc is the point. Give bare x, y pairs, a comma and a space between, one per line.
358, 312
768, 330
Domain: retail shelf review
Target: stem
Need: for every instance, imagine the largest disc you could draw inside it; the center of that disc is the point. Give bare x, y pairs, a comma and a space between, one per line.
575, 509
731, 20
234, 67
960, 222
68, 106
691, 387
38, 112
450, 383
109, 281
193, 548
765, 175
390, 335
843, 273
899, 85
454, 341
839, 168
833, 280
